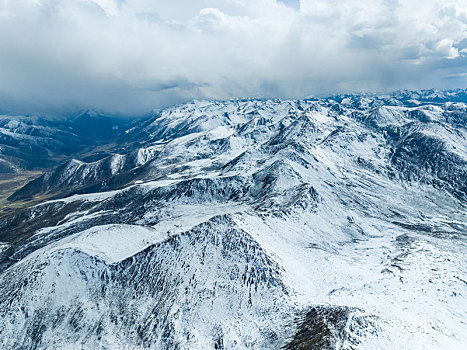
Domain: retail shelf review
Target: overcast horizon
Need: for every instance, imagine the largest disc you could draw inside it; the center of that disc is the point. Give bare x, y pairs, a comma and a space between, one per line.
128, 57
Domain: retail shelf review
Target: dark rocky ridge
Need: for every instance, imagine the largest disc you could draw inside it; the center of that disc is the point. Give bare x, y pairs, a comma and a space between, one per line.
326, 328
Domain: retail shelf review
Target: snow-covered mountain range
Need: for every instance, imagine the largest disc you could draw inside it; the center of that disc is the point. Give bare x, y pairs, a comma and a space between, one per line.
335, 223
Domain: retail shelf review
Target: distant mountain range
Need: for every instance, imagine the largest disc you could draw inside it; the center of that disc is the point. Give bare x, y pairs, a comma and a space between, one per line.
247, 224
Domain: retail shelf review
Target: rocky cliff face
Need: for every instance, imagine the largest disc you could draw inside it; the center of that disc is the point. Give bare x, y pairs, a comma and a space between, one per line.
333, 223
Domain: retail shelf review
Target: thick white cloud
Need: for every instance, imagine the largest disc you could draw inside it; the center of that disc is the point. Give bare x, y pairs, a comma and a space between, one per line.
129, 56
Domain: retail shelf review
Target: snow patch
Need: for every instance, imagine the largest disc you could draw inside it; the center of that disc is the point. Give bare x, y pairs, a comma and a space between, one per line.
111, 243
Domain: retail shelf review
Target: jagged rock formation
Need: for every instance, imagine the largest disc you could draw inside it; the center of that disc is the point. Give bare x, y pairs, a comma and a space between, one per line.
328, 328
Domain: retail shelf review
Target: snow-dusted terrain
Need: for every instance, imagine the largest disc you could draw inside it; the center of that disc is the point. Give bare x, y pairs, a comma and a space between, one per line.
32, 142
314, 224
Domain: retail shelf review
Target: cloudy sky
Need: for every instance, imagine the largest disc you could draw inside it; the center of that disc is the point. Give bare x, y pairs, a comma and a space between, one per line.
129, 56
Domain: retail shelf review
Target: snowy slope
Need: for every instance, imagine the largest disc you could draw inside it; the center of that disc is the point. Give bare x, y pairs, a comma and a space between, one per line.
334, 223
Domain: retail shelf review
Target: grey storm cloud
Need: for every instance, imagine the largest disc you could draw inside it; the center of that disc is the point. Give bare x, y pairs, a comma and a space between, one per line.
129, 56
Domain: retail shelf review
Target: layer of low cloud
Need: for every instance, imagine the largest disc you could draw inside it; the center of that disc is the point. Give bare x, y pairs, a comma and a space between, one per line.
129, 56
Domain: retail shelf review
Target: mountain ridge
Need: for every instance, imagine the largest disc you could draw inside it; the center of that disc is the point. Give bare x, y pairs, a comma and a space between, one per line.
348, 218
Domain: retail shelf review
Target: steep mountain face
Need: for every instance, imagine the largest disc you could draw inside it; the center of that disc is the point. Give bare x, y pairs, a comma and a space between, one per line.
314, 224
146, 300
